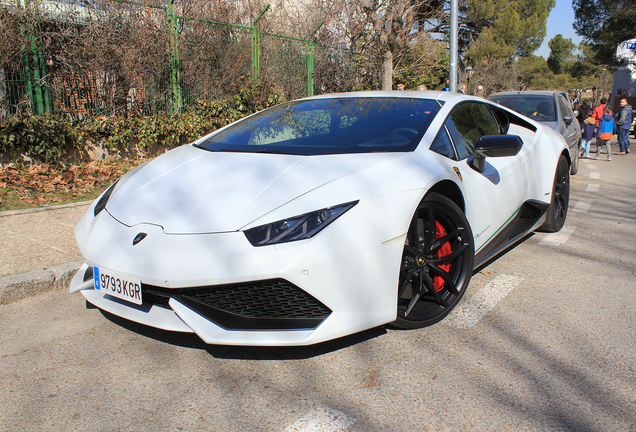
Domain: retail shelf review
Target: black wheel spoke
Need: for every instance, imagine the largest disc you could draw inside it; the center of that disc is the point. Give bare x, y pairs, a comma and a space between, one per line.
430, 233
430, 288
438, 243
448, 281
450, 257
414, 299
407, 280
411, 250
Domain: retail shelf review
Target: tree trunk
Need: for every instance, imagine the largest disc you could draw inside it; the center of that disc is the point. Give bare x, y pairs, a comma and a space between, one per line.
387, 70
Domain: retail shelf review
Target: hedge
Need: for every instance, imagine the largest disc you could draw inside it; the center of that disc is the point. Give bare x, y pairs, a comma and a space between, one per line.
54, 139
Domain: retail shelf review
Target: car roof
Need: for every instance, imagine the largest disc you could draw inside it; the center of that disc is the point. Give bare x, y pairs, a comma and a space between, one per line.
419, 94
530, 92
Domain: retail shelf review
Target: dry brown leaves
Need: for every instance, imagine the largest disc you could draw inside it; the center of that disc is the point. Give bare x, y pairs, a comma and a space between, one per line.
38, 184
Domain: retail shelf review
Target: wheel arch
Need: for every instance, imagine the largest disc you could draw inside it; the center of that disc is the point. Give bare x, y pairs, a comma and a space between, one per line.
567, 155
450, 190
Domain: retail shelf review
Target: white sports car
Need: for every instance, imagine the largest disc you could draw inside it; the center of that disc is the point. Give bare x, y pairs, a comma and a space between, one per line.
322, 217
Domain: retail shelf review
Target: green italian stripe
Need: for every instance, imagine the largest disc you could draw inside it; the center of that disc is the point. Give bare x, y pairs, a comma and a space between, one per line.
499, 230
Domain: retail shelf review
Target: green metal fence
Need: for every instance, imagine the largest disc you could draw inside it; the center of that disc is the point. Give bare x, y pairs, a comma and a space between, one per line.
70, 61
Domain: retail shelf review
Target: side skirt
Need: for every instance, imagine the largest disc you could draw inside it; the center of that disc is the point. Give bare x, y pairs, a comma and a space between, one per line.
529, 217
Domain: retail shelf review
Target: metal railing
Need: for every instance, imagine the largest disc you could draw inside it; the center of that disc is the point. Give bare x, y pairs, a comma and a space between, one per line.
192, 59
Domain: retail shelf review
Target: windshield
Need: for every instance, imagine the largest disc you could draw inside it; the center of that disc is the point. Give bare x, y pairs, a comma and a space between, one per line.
537, 107
330, 126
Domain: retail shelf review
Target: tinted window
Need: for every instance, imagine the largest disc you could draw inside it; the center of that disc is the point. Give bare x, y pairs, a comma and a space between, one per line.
330, 126
443, 145
537, 107
467, 123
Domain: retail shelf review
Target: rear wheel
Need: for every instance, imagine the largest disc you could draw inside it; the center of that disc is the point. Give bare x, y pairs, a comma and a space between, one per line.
575, 160
558, 210
437, 263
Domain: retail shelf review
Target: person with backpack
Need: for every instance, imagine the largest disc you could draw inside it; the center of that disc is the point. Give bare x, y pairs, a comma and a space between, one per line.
582, 112
624, 123
606, 128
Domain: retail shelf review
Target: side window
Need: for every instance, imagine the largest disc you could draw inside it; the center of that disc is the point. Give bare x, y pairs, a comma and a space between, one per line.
467, 123
502, 118
564, 108
443, 145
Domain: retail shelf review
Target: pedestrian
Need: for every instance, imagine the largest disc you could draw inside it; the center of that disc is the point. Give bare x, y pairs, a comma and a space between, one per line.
598, 113
583, 110
588, 131
607, 126
421, 87
479, 91
447, 88
462, 88
400, 85
624, 123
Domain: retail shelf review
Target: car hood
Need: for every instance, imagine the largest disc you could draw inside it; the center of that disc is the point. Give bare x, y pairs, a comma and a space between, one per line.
189, 190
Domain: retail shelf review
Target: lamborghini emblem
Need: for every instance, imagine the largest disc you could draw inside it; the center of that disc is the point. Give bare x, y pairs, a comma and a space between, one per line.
139, 237
459, 174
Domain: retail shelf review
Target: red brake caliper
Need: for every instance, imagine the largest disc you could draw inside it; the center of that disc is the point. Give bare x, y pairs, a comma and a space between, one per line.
438, 281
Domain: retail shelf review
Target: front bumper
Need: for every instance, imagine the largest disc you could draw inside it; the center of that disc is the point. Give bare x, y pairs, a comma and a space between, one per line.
230, 293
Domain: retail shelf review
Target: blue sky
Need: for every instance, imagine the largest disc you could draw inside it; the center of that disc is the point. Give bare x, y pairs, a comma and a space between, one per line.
559, 22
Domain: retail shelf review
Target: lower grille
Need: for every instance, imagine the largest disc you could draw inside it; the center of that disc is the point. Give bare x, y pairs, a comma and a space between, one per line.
263, 305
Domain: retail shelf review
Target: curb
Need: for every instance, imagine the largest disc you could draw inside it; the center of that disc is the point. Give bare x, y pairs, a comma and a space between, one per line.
21, 286
43, 208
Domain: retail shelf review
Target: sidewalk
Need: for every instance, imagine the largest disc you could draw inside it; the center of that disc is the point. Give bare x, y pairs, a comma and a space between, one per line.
38, 251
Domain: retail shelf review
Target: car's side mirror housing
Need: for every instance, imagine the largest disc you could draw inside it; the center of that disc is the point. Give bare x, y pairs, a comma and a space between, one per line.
567, 120
494, 146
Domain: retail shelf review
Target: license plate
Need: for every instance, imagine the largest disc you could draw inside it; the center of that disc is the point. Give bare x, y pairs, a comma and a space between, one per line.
117, 285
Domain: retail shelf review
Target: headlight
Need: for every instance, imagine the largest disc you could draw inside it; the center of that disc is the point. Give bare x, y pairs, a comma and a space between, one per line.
101, 204
296, 228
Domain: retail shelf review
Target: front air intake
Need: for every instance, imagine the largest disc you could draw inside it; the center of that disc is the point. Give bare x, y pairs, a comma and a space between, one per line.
274, 304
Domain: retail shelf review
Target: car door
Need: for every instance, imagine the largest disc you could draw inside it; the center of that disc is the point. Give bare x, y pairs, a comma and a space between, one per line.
572, 131
494, 196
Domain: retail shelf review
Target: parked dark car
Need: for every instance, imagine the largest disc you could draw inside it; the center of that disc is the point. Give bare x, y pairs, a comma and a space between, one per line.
550, 107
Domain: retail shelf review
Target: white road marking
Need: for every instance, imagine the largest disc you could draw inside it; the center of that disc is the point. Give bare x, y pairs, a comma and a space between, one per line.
557, 238
469, 313
583, 205
592, 187
591, 166
595, 175
322, 420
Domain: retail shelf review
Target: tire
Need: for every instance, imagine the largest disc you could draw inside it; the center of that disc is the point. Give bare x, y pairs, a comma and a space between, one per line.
575, 160
558, 210
437, 263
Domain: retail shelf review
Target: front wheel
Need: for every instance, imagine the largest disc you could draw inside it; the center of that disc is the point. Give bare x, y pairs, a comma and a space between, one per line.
437, 263
558, 210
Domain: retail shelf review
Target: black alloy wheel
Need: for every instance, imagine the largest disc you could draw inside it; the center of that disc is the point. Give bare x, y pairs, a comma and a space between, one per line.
558, 210
437, 263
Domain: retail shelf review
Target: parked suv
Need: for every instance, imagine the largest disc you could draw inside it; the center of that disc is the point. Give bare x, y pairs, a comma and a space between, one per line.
549, 107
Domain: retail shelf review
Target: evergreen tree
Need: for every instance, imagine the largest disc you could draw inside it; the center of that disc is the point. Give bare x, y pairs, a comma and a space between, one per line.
605, 24
504, 29
561, 51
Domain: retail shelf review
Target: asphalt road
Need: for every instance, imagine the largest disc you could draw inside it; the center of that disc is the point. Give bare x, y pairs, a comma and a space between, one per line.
544, 340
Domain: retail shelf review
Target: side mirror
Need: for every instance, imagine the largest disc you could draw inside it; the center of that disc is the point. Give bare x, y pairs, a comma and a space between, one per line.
494, 146
567, 120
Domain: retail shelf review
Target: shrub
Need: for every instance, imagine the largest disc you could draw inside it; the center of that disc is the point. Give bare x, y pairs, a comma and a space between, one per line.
47, 138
